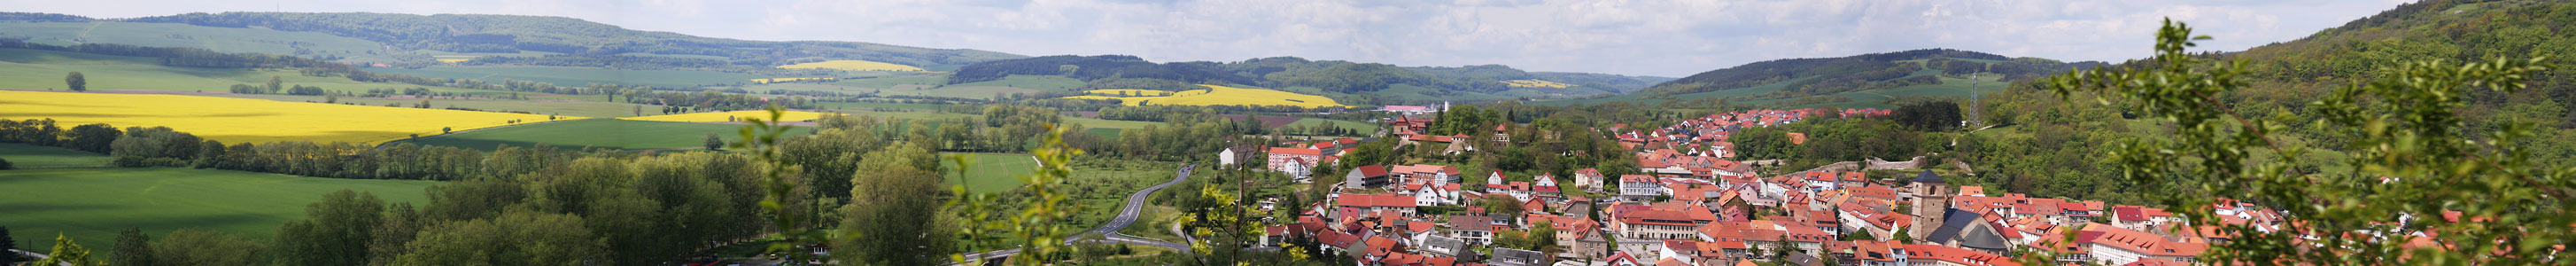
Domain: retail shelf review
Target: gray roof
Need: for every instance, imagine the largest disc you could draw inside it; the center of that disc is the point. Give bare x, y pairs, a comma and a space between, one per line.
1983, 237
1927, 177
1952, 222
1507, 257
1451, 246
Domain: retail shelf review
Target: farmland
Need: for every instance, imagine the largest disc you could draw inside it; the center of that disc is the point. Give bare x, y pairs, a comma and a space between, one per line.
1536, 83
732, 116
1222, 95
38, 69
991, 171
31, 156
596, 133
91, 204
577, 76
220, 39
234, 120
779, 80
853, 65
1128, 92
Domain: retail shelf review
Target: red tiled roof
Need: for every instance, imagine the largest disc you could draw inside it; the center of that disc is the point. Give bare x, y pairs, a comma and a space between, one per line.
1376, 200
1296, 151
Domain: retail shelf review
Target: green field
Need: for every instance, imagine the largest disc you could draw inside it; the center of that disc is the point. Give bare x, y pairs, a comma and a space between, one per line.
1055, 83
39, 69
578, 76
91, 204
991, 171
220, 39
596, 133
1316, 122
868, 106
899, 82
31, 156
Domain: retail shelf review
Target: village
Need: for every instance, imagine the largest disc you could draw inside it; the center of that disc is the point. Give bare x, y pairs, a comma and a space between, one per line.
1693, 202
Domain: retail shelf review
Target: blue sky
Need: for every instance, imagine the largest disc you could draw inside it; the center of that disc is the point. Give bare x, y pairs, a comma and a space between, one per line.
1634, 37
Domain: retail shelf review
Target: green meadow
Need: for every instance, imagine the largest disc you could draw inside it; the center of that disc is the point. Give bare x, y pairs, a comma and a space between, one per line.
92, 204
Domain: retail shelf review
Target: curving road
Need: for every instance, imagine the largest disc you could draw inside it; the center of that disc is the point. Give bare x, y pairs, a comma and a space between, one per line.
1126, 216
33, 255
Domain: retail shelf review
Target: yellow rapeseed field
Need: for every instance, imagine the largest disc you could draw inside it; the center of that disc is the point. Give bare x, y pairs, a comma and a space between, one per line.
233, 120
1222, 95
1536, 83
854, 65
1135, 92
733, 116
776, 80
454, 58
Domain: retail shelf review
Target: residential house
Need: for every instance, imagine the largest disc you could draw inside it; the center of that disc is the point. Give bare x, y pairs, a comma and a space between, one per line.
1474, 229
1279, 156
1639, 188
1588, 179
1369, 176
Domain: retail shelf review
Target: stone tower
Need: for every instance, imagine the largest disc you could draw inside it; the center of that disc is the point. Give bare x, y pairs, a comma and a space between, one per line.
1931, 201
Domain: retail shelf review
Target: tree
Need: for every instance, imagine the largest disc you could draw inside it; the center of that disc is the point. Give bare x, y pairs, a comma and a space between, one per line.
2416, 176
66, 252
5, 165
336, 231
95, 138
514, 238
7, 243
132, 249
275, 84
445, 130
76, 81
202, 247
894, 215
714, 143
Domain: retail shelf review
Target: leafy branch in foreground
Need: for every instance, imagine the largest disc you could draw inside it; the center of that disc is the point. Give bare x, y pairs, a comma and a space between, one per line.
1037, 229
2419, 192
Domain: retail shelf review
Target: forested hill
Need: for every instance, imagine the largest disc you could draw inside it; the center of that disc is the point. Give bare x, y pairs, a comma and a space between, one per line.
512, 33
1330, 76
1818, 76
2293, 72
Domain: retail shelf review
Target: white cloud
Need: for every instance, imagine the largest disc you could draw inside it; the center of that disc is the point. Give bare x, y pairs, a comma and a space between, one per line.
1650, 37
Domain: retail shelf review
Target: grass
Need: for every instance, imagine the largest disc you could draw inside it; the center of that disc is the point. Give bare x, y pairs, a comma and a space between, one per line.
570, 108
31, 156
596, 133
863, 106
1053, 83
1317, 122
991, 172
219, 39
92, 204
578, 76
39, 70
1222, 95
234, 120
730, 116
897, 82
1536, 83
853, 65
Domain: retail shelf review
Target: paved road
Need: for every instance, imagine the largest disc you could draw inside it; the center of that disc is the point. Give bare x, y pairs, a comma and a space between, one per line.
1126, 216
33, 255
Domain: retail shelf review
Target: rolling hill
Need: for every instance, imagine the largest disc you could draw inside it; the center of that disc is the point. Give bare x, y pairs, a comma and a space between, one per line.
407, 38
1348, 82
1869, 80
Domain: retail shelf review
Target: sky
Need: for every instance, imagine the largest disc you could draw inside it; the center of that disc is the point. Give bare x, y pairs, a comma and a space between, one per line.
1630, 37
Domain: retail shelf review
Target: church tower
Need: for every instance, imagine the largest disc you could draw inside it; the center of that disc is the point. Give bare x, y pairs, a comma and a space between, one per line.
1931, 201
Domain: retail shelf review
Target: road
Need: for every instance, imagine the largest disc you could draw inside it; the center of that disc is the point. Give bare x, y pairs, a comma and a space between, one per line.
1126, 216
33, 255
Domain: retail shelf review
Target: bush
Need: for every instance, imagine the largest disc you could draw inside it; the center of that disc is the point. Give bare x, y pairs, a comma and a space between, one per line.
4, 165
